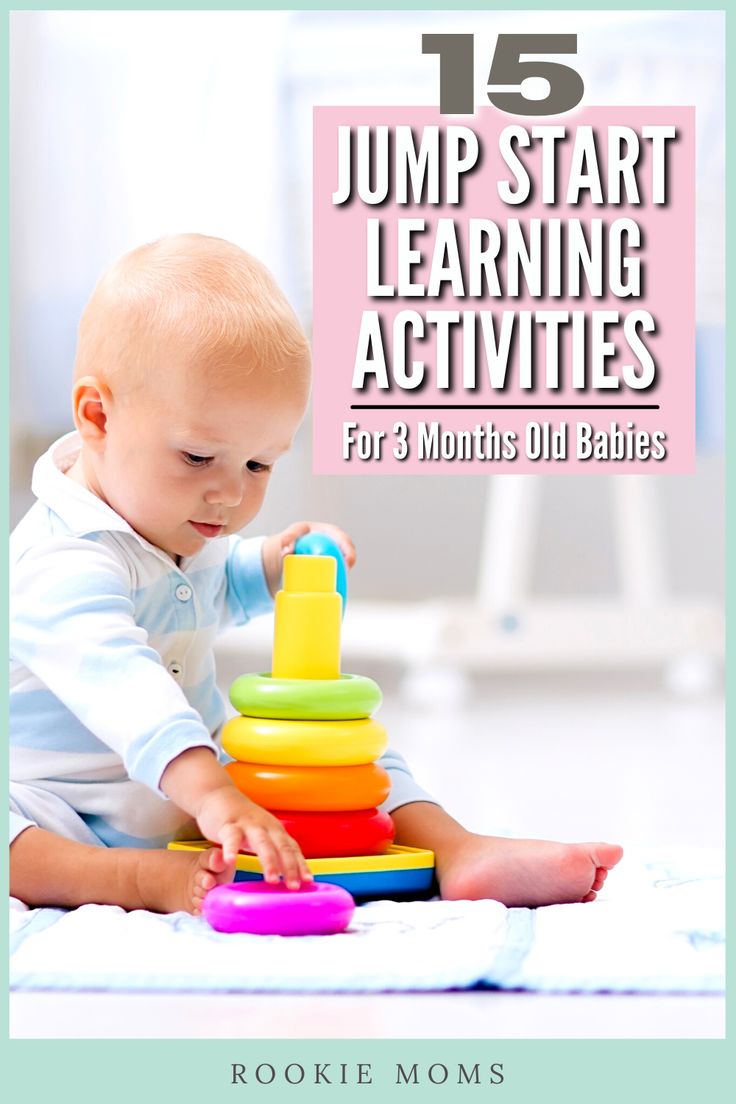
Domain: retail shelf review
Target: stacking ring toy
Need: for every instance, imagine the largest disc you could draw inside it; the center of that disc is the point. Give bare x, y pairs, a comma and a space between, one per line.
319, 544
259, 908
304, 743
347, 698
312, 789
327, 835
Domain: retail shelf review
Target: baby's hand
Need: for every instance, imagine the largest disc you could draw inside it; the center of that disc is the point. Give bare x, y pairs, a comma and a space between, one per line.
231, 819
282, 544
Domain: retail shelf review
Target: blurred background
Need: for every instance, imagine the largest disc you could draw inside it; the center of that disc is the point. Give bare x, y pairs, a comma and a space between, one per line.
572, 621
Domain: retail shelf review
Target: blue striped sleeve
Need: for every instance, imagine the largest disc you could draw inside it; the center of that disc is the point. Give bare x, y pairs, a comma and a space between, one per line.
247, 593
72, 625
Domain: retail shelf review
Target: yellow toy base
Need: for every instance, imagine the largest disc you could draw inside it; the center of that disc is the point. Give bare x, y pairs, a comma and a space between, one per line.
399, 872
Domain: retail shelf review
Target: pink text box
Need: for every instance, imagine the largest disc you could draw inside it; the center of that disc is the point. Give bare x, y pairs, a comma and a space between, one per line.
340, 298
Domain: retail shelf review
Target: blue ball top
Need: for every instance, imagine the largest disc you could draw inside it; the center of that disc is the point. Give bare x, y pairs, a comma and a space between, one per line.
319, 544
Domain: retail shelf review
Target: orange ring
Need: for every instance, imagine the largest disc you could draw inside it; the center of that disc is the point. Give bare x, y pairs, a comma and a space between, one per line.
312, 789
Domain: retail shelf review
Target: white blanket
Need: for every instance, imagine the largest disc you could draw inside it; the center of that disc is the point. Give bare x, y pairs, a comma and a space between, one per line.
658, 926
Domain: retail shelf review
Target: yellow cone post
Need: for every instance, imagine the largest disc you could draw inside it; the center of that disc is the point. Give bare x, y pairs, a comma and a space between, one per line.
306, 642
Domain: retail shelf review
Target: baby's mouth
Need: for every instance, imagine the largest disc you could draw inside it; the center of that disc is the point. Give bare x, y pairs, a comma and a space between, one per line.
205, 529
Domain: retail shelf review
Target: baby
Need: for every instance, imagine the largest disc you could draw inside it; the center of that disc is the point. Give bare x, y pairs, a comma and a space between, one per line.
191, 378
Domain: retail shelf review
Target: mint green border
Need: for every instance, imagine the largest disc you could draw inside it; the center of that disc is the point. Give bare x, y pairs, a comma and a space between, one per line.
536, 1070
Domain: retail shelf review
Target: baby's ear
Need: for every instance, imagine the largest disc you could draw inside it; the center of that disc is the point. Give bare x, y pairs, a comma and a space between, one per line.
90, 403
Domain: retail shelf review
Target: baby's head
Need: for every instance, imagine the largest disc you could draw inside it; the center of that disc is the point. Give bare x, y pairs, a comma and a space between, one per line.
191, 378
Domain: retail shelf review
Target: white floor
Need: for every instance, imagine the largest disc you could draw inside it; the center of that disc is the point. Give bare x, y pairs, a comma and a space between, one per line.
337, 1016
612, 761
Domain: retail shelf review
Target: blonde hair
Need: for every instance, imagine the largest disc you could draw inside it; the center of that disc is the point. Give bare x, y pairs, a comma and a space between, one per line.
215, 299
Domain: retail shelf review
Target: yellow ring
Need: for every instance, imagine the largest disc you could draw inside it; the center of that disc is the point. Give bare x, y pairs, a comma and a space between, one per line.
304, 743
312, 789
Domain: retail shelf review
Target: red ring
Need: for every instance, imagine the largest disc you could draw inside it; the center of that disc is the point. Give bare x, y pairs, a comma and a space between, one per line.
332, 835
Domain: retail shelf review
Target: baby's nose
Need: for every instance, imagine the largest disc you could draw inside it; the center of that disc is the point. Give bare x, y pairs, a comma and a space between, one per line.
227, 492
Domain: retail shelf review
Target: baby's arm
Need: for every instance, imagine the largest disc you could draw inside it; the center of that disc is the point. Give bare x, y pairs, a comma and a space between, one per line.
202, 787
74, 629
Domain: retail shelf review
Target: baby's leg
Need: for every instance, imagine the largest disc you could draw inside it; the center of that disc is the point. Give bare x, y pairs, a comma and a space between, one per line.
516, 872
46, 869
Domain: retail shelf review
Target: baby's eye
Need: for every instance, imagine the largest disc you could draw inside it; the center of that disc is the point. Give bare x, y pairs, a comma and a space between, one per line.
257, 466
195, 460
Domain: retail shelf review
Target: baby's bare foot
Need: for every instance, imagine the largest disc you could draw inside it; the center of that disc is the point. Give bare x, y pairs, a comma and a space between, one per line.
173, 881
527, 873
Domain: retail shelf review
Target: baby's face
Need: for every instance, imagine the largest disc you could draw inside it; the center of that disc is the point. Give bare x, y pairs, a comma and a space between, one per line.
190, 461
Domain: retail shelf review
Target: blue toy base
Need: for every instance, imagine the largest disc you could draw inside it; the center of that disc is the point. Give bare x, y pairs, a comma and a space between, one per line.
371, 884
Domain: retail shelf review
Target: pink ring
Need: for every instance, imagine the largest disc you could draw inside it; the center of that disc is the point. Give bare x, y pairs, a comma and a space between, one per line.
259, 908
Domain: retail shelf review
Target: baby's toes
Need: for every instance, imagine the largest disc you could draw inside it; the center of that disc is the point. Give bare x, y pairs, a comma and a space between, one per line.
600, 877
218, 867
204, 881
589, 897
607, 854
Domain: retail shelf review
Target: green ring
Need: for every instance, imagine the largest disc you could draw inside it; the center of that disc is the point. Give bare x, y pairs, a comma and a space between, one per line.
348, 698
